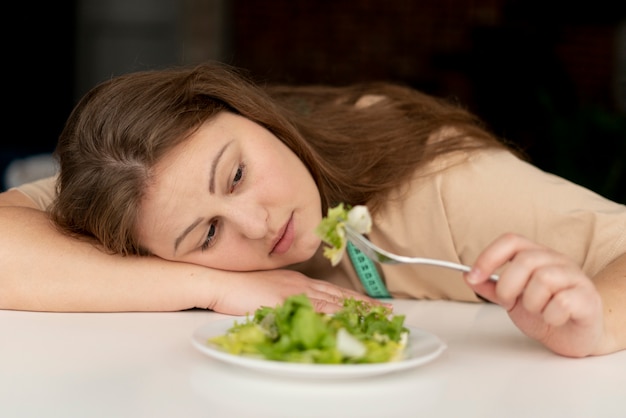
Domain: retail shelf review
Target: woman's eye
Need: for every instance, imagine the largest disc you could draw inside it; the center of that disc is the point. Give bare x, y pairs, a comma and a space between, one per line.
241, 170
210, 236
209, 241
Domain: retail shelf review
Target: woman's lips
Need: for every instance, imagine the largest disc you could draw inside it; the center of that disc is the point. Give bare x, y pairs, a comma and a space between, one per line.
286, 238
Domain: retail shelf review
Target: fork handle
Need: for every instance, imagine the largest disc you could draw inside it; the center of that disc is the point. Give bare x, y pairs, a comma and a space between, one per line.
443, 263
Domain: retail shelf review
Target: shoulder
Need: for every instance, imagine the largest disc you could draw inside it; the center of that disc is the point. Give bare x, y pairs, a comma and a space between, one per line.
499, 173
38, 194
368, 100
495, 192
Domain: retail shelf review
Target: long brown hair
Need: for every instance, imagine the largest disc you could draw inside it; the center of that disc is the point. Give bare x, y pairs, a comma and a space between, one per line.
362, 152
121, 128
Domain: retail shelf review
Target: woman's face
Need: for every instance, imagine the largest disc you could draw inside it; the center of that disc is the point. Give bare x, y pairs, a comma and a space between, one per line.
232, 197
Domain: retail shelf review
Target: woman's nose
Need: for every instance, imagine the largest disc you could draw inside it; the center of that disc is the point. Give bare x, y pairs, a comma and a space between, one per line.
251, 220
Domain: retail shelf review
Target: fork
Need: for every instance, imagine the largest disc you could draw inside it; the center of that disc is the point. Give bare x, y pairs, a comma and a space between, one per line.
385, 257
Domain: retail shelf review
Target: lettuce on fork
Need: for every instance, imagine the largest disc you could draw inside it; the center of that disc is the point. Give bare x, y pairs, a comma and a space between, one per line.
332, 228
295, 332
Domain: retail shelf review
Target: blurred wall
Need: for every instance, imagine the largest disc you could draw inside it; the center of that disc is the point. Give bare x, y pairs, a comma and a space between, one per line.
549, 76
38, 72
546, 75
118, 36
62, 49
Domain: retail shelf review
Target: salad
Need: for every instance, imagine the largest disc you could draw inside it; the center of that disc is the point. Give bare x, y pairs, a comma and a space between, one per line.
332, 228
294, 332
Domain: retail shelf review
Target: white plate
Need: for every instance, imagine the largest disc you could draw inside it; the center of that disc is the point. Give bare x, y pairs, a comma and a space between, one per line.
422, 347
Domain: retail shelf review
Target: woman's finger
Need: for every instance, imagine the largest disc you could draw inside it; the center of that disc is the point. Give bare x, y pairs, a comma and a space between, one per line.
579, 304
546, 282
497, 254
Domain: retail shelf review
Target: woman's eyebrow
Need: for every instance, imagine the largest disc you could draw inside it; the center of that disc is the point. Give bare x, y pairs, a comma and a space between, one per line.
216, 161
185, 233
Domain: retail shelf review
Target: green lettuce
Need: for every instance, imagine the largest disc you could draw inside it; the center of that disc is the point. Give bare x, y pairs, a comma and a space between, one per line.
294, 332
332, 228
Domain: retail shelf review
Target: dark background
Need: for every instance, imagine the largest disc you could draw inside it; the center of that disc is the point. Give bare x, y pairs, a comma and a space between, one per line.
38, 75
549, 76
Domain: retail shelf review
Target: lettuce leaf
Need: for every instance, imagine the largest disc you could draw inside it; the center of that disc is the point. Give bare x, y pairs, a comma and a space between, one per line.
332, 228
295, 332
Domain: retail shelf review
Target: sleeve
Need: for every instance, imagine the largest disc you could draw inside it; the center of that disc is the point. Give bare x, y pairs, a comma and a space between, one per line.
495, 192
42, 192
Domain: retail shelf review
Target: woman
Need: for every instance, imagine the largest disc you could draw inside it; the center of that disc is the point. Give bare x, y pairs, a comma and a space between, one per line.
193, 187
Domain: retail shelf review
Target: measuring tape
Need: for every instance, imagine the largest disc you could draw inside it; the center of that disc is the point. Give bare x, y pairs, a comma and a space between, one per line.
367, 272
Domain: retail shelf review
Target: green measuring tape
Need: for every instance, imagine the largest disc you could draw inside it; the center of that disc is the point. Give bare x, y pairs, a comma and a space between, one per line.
366, 270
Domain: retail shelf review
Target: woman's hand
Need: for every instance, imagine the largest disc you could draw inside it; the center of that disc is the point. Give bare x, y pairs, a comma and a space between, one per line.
242, 293
546, 294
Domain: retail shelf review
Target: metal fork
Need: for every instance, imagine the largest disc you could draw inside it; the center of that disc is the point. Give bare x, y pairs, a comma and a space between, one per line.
385, 257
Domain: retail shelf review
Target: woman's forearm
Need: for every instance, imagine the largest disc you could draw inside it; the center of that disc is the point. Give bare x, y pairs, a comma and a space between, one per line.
611, 283
44, 270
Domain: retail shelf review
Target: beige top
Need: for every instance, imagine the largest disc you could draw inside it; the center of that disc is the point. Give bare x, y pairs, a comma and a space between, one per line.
41, 191
455, 213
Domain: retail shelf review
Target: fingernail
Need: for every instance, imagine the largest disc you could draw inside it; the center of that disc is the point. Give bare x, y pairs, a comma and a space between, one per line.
473, 276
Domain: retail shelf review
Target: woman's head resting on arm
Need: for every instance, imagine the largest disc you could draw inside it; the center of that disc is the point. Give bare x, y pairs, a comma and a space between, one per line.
171, 163
201, 165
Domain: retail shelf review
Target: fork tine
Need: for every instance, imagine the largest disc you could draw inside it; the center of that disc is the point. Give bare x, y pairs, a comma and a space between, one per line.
367, 247
356, 240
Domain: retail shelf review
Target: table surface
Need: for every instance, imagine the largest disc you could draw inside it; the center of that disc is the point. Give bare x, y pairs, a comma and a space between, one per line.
144, 365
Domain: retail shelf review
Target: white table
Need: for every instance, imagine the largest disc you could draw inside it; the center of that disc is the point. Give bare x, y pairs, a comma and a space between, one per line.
143, 365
